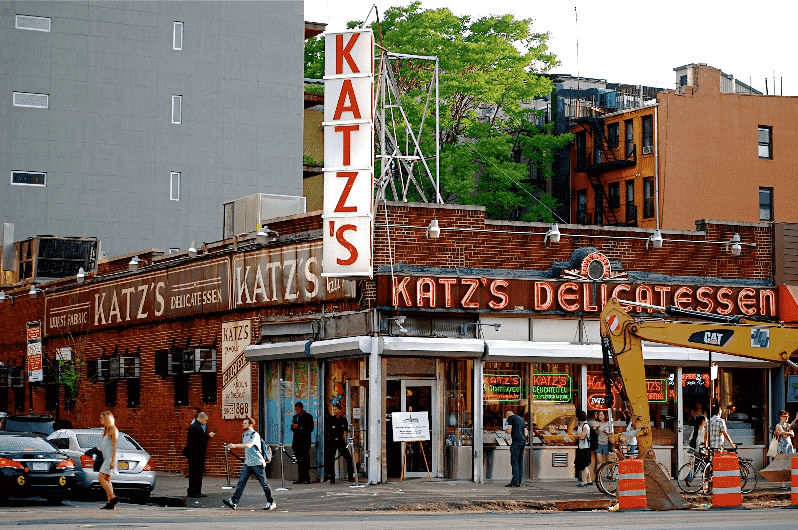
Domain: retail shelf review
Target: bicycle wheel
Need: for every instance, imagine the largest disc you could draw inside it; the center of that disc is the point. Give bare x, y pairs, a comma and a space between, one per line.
607, 478
690, 476
747, 484
706, 479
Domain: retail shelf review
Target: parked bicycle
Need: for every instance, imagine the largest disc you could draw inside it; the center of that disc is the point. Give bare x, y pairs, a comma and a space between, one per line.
607, 473
696, 474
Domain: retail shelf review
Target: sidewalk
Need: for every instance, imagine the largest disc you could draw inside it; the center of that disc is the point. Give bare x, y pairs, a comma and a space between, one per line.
408, 495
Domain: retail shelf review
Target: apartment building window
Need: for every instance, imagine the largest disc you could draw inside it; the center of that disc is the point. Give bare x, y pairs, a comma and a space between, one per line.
581, 148
174, 250
631, 209
177, 39
598, 195
683, 80
614, 194
174, 187
648, 197
612, 135
765, 142
177, 109
630, 137
765, 204
27, 99
28, 178
648, 135
581, 207
33, 23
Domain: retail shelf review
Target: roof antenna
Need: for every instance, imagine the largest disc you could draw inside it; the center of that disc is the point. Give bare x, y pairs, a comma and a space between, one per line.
576, 22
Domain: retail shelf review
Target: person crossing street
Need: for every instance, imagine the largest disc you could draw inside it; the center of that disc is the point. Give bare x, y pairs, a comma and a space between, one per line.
254, 464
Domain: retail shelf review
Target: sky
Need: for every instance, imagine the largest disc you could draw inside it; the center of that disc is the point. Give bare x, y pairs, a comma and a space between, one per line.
635, 42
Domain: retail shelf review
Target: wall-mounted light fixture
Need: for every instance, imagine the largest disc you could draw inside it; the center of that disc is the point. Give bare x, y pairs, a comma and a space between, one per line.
655, 239
265, 235
133, 265
387, 327
35, 291
4, 297
735, 245
478, 328
553, 234
433, 230
81, 276
192, 250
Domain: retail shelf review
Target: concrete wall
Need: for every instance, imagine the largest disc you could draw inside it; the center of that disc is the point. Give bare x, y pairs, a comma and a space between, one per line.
107, 141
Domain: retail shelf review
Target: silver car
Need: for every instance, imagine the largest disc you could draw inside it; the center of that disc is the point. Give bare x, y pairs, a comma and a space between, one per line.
135, 465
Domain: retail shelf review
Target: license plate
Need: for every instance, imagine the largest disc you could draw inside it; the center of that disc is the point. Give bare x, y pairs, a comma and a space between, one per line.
40, 466
123, 465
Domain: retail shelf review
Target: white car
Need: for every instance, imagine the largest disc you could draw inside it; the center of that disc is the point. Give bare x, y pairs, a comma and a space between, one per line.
136, 468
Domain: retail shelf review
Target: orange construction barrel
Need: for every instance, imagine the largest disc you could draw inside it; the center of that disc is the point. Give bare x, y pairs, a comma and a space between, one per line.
794, 481
631, 484
726, 480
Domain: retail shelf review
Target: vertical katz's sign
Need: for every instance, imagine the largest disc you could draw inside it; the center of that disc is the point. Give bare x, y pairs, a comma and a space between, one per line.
348, 153
236, 370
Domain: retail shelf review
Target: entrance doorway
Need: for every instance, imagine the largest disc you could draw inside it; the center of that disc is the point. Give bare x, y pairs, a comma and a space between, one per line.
411, 396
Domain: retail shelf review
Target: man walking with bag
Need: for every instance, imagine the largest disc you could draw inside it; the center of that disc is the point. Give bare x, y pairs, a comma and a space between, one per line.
254, 464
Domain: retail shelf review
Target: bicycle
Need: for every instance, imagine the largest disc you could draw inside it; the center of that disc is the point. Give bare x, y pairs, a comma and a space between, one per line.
690, 475
607, 474
748, 477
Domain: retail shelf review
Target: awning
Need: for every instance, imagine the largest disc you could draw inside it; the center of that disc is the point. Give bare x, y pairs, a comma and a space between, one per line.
346, 347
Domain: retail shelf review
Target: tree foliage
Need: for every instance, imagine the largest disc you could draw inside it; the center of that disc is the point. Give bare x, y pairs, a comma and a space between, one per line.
489, 68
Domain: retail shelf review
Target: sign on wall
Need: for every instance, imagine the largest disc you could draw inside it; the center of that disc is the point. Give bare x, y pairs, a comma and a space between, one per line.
34, 355
236, 370
554, 388
501, 387
348, 153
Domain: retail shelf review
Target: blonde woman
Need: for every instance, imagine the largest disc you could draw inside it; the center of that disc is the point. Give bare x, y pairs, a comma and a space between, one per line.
785, 435
108, 449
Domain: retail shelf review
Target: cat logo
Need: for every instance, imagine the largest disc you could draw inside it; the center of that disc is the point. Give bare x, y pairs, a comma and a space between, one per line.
716, 337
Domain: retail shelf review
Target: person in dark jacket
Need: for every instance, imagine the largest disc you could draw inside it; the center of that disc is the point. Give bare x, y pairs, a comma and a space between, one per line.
302, 427
335, 432
196, 447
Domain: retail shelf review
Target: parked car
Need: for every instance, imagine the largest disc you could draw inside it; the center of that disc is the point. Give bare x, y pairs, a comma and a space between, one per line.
30, 466
136, 469
42, 424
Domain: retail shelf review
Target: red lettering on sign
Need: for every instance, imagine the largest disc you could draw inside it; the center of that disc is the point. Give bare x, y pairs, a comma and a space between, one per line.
616, 293
466, 301
347, 130
704, 294
401, 289
447, 290
586, 296
339, 235
429, 293
544, 296
746, 301
343, 53
644, 295
726, 306
766, 296
683, 297
663, 294
347, 93
604, 295
564, 297
502, 296
350, 176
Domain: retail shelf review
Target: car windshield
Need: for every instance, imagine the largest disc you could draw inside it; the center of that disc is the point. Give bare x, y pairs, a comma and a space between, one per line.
44, 427
17, 444
123, 443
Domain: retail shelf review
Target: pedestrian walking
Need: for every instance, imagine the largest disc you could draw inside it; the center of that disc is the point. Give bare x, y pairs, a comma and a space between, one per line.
785, 436
108, 450
196, 447
604, 429
254, 464
516, 428
717, 430
582, 460
302, 426
336, 432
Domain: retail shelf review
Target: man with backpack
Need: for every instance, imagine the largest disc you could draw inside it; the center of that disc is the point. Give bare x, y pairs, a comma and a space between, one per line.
254, 464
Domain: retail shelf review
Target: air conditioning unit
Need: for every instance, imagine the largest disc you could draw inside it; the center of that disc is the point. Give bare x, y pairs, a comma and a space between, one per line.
174, 364
204, 360
129, 367
648, 149
99, 369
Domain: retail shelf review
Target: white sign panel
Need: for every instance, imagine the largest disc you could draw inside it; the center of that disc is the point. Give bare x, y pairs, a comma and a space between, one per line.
348, 154
410, 426
35, 371
64, 354
236, 370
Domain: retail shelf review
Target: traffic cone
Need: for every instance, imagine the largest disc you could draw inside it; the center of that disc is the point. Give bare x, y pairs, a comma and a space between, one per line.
794, 482
726, 481
631, 484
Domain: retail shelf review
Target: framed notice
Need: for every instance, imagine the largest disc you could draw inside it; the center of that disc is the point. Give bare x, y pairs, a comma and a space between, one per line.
410, 426
792, 388
236, 370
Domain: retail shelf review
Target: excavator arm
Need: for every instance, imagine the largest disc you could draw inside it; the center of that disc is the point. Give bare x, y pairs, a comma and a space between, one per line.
622, 337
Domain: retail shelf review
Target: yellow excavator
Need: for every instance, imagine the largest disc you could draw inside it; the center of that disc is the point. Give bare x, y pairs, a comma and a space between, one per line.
622, 335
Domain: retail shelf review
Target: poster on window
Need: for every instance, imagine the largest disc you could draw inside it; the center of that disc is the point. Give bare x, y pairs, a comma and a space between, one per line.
792, 389
236, 370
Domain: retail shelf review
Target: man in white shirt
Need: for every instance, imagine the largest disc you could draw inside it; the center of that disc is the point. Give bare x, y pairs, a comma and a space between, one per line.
717, 430
254, 464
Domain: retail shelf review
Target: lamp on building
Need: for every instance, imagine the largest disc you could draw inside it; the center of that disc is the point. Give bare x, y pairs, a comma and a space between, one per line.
387, 328
81, 276
4, 297
553, 234
266, 235
433, 230
35, 291
192, 250
735, 245
655, 239
133, 265
477, 326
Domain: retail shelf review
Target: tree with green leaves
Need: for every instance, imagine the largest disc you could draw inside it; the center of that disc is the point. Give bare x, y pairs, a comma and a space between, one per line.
490, 70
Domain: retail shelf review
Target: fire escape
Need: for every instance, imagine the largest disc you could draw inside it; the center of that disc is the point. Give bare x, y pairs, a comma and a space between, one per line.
605, 160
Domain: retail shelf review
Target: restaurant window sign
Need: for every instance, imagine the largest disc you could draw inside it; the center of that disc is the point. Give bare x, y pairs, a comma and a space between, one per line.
656, 389
501, 387
552, 388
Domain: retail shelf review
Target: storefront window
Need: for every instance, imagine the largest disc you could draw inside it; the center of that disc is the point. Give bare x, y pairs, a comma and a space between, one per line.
342, 387
459, 403
555, 400
505, 387
288, 382
743, 396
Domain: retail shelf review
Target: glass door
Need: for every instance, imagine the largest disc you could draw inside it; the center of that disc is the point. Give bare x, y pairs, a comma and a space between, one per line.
419, 457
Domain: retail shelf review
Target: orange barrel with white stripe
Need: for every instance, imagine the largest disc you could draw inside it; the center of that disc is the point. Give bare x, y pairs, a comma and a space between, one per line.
794, 482
631, 484
726, 480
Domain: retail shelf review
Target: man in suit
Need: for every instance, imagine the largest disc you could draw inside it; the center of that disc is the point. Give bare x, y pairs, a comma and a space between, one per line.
302, 426
196, 447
